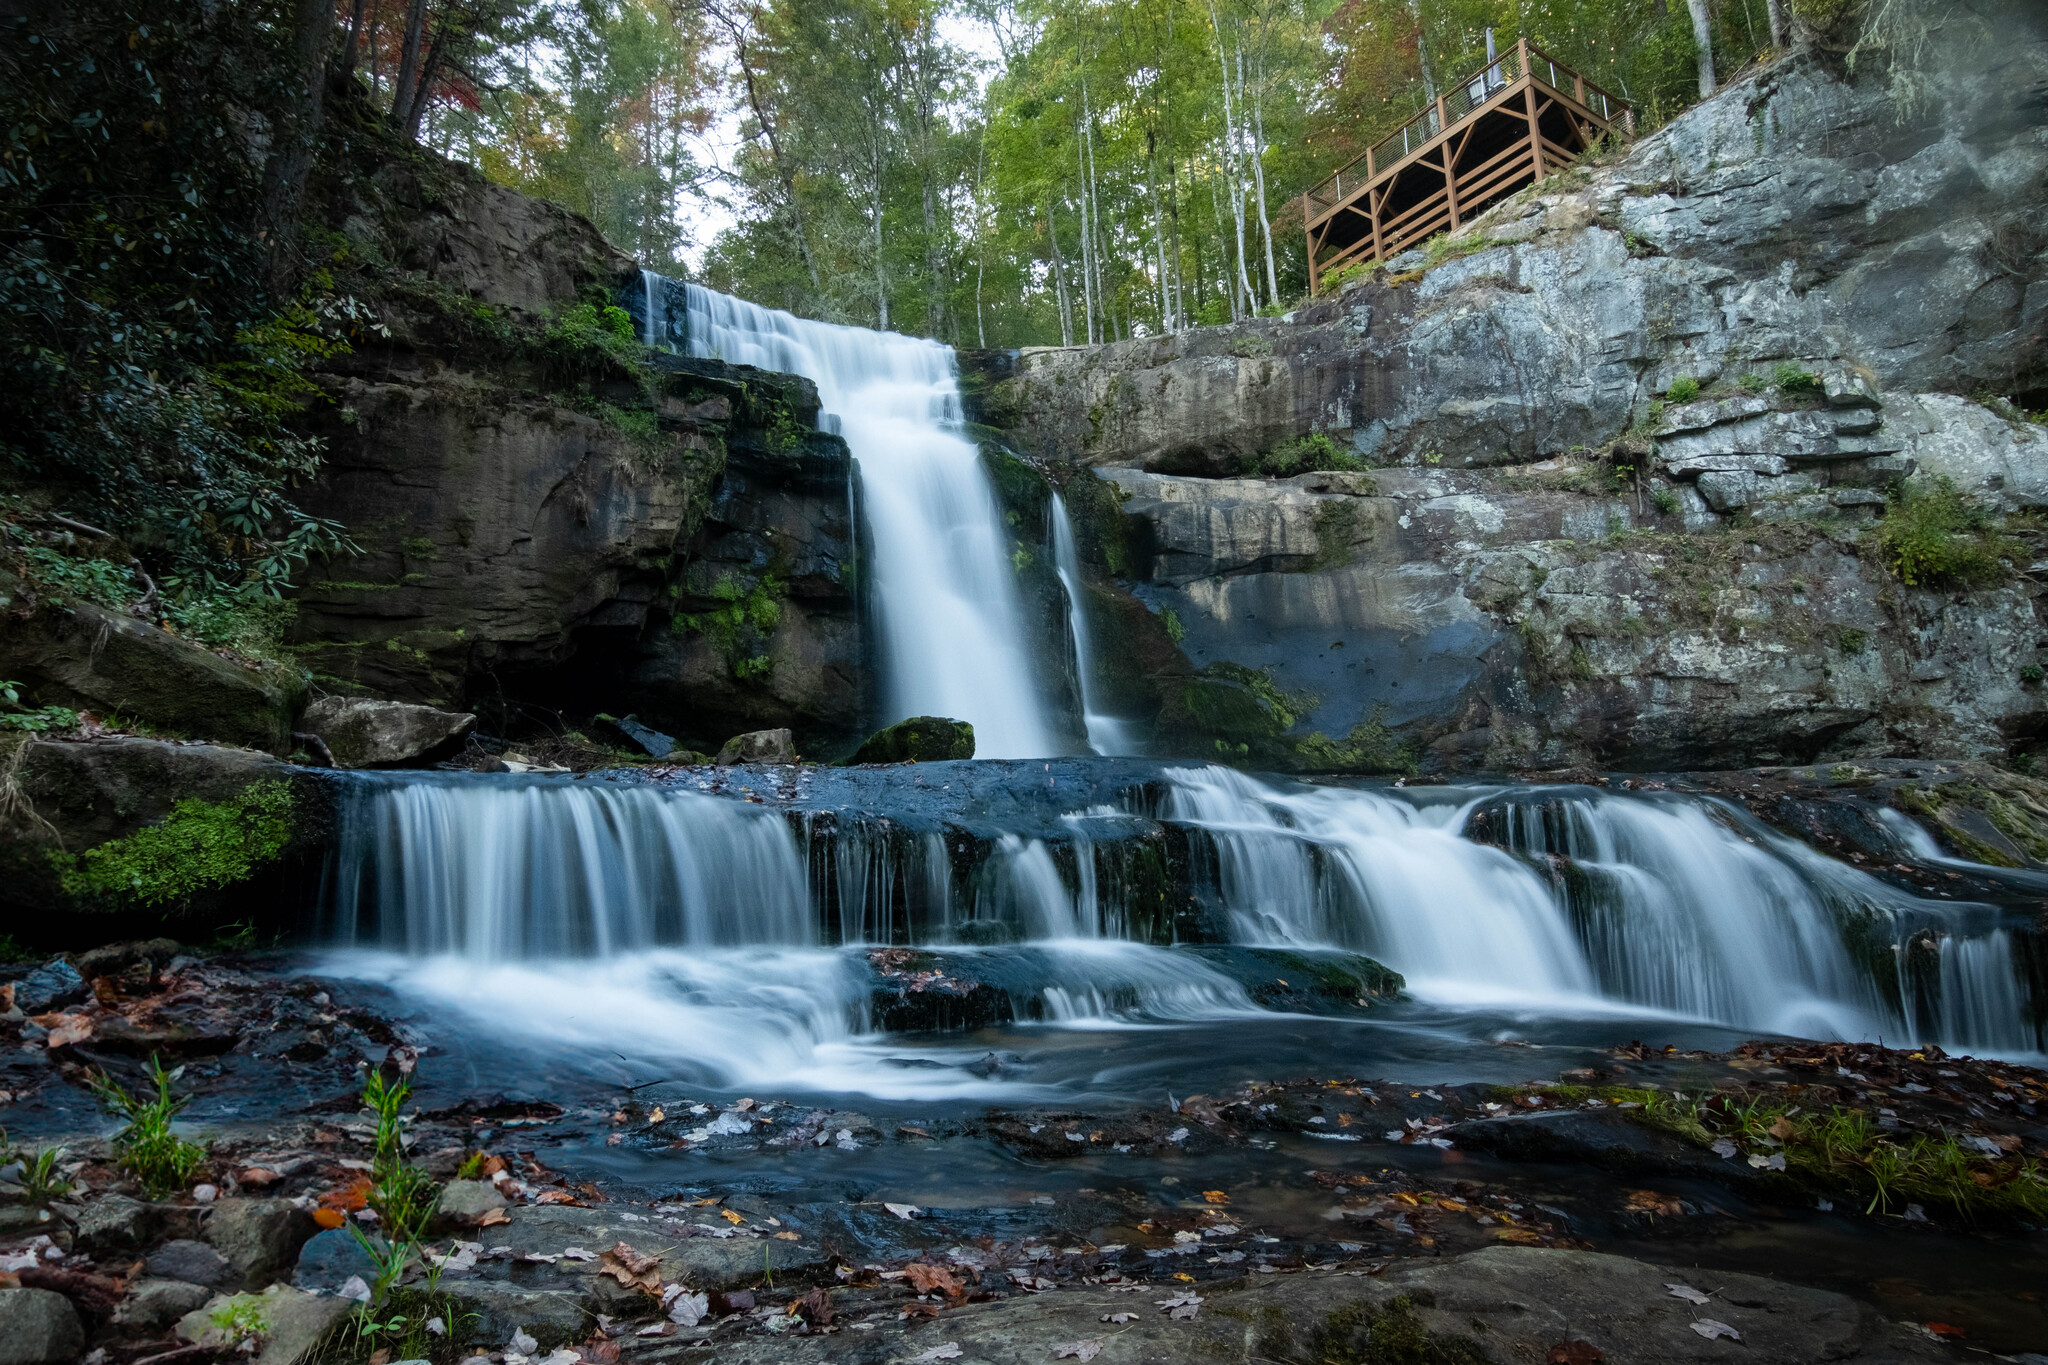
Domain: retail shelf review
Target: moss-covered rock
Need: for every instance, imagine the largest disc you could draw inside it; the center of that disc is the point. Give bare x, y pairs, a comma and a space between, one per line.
73, 653
114, 838
921, 739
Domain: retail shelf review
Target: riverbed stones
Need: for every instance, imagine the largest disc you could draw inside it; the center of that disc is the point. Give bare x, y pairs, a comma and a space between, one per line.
362, 733
38, 1327
259, 1237
294, 1322
468, 1200
699, 1255
1503, 1304
154, 1305
114, 1224
921, 739
193, 1262
552, 1317
758, 746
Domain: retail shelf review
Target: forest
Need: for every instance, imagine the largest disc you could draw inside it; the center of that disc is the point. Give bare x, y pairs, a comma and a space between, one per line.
984, 172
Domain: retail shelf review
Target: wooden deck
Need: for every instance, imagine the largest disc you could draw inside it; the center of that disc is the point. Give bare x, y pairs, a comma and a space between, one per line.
1509, 125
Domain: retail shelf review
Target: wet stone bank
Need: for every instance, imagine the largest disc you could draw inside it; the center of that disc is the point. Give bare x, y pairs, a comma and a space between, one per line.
1645, 1203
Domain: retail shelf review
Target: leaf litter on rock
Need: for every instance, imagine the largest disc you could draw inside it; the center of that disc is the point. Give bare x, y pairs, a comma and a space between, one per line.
1687, 1292
1181, 1307
1077, 1350
1710, 1329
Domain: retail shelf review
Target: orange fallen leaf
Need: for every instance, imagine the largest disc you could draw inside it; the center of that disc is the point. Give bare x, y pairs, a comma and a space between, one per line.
329, 1218
554, 1197
1946, 1329
349, 1197
71, 1030
1183, 1275
729, 1216
493, 1218
927, 1278
1574, 1353
1216, 1196
786, 1237
1783, 1130
632, 1268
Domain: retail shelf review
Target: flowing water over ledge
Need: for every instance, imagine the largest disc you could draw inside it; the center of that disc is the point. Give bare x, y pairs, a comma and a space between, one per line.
719, 924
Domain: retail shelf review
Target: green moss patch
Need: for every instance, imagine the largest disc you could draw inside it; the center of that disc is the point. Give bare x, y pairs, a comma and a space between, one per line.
200, 846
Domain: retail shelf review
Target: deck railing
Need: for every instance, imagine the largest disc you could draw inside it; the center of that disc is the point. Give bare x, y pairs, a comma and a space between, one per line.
1452, 106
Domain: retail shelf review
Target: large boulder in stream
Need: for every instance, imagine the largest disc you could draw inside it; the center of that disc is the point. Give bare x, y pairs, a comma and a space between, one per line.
921, 739
361, 733
758, 746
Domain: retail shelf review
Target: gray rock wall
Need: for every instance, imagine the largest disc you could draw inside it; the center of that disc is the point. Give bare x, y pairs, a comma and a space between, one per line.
1549, 560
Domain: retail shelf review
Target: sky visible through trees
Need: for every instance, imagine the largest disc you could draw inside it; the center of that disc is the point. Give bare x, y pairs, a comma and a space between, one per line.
986, 172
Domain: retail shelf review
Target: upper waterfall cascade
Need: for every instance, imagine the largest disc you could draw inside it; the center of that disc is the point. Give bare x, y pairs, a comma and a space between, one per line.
943, 589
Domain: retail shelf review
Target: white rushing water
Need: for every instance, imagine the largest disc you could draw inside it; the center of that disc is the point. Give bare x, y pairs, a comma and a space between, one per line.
1106, 734
943, 588
720, 931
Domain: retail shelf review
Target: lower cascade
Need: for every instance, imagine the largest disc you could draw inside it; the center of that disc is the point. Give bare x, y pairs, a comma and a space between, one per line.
738, 933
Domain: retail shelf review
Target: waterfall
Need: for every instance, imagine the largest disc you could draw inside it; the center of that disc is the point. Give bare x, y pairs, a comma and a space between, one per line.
683, 907
1106, 734
944, 590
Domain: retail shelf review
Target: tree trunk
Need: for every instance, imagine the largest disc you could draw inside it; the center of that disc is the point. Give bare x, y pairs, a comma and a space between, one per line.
1776, 10
1422, 50
1259, 175
1059, 273
1703, 39
408, 62
430, 71
291, 154
355, 40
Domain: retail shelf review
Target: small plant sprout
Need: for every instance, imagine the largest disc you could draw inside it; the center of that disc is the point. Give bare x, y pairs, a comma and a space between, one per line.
149, 1149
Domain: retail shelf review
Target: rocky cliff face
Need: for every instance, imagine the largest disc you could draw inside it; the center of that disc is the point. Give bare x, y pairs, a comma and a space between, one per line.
546, 525
1621, 444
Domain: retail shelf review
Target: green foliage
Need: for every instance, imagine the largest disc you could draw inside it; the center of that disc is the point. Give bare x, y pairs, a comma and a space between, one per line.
402, 1195
200, 846
1339, 522
1369, 748
147, 1147
1389, 1334
1665, 501
1933, 536
62, 576
42, 1182
640, 424
739, 627
1752, 383
240, 1318
1791, 379
149, 375
2031, 674
247, 622
1851, 639
1170, 619
1683, 389
35, 721
592, 336
1306, 454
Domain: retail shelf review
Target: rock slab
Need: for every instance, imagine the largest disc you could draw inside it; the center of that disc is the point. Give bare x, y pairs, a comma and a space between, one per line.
38, 1327
362, 733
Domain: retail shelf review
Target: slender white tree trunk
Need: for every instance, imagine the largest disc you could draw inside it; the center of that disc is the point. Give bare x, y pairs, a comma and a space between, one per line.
1703, 39
1059, 273
1259, 173
1776, 10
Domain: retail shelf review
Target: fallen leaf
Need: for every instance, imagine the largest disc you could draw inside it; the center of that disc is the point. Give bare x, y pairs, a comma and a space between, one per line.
1649, 1201
1216, 1196
1183, 1275
918, 1309
633, 1269
490, 1218
554, 1197
599, 1352
1783, 1130
1686, 1292
657, 1116
904, 1211
1077, 1350
329, 1218
1723, 1148
1711, 1329
1119, 1317
1181, 1307
927, 1278
1574, 1353
729, 1216
1946, 1329
945, 1350
815, 1308
786, 1236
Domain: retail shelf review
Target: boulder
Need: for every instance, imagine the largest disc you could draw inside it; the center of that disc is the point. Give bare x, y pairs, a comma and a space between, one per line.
153, 1306
114, 1224
50, 987
552, 1317
330, 1259
362, 733
260, 1237
293, 1323
192, 1262
921, 739
758, 746
469, 1200
38, 1327
79, 655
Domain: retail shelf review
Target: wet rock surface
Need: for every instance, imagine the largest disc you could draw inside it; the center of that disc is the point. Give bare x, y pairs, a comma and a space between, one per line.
1274, 1220
362, 733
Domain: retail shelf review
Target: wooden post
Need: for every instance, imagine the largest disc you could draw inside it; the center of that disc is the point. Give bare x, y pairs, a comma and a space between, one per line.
1451, 184
1442, 123
1373, 200
1535, 131
1579, 88
1309, 243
